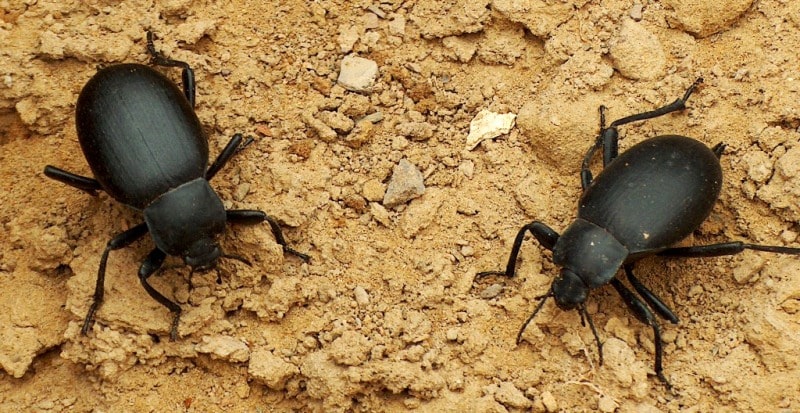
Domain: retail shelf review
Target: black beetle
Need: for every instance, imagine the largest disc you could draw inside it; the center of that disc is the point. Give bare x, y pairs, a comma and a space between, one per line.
642, 203
146, 149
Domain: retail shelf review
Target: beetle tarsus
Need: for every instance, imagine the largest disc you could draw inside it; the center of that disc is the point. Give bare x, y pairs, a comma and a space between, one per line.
150, 266
676, 106
718, 149
173, 331
187, 74
643, 314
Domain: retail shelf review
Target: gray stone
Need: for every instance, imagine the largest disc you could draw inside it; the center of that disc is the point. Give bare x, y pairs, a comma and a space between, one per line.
405, 184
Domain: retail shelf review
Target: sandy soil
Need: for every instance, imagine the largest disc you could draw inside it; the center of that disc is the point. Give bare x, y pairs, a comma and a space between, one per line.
386, 316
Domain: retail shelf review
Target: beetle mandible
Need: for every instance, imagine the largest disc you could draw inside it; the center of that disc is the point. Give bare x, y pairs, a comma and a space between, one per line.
146, 149
642, 203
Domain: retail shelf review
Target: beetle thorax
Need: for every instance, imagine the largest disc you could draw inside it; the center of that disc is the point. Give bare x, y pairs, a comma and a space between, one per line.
589, 252
185, 221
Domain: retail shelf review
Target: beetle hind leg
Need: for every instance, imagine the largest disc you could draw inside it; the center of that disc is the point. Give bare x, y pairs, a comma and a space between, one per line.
678, 105
187, 74
608, 137
725, 248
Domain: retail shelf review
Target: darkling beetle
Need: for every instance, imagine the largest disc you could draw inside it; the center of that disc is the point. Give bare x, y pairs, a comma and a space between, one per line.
642, 203
146, 149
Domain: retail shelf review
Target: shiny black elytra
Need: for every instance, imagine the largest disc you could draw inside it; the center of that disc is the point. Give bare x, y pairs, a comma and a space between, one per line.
146, 149
642, 203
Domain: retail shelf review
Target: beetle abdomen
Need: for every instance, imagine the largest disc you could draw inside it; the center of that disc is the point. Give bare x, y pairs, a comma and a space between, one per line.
139, 133
655, 193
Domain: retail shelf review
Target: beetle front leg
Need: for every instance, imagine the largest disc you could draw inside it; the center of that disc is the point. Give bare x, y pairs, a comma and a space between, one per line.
88, 185
150, 265
544, 234
119, 241
252, 217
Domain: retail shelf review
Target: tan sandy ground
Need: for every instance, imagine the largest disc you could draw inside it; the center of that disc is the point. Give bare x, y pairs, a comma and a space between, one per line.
386, 316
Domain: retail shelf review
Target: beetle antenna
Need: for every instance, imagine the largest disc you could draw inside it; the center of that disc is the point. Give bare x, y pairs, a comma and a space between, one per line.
542, 299
585, 315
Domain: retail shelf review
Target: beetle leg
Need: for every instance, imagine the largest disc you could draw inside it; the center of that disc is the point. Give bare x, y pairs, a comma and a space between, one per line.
610, 145
652, 299
718, 149
232, 148
725, 248
586, 173
88, 185
252, 216
678, 105
644, 315
607, 139
150, 265
544, 234
187, 74
121, 240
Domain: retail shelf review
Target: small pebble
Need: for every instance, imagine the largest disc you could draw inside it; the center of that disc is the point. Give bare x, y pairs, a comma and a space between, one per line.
361, 295
357, 74
452, 334
405, 184
636, 12
509, 395
467, 168
241, 191
637, 53
487, 125
607, 404
373, 190
491, 291
224, 348
549, 401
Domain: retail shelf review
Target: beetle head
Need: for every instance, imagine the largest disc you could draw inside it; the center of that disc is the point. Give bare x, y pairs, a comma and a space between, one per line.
202, 254
185, 222
569, 290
